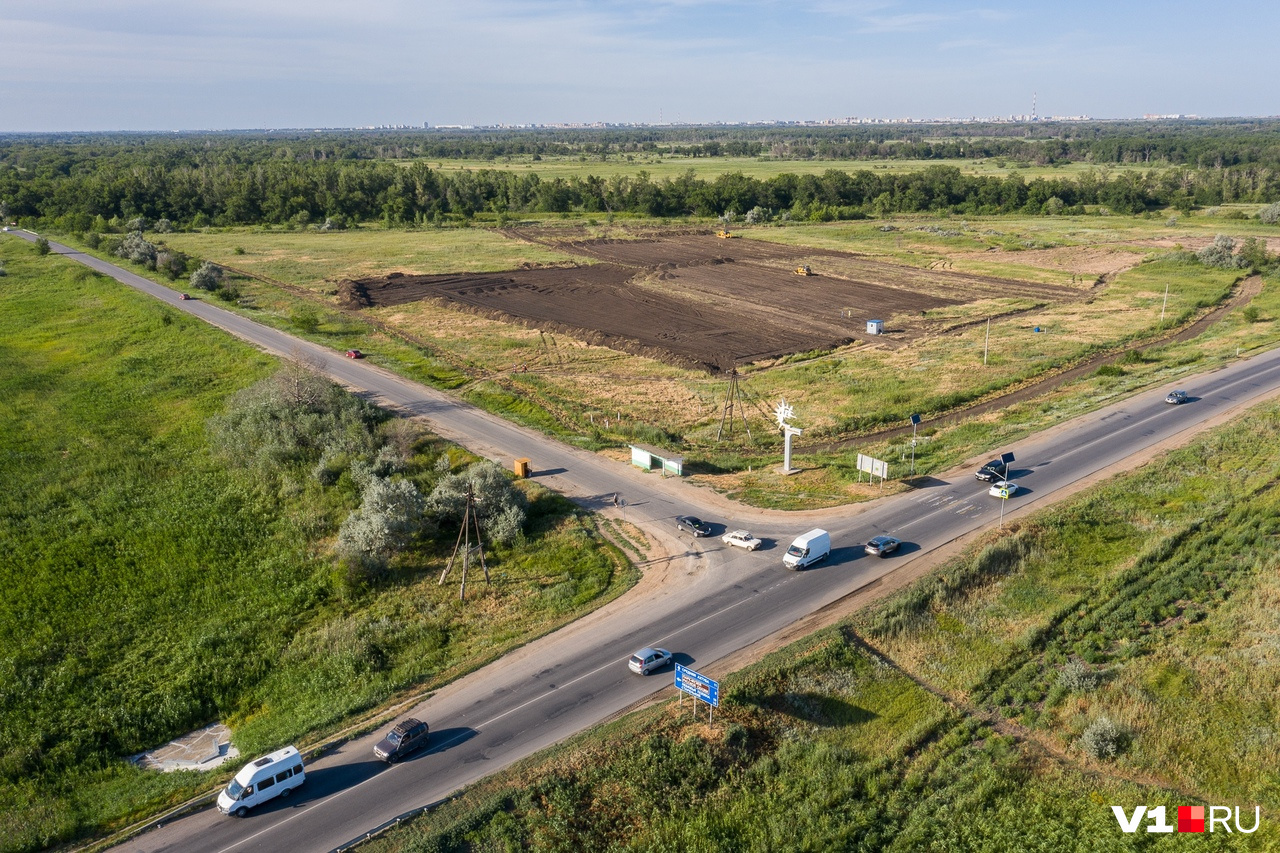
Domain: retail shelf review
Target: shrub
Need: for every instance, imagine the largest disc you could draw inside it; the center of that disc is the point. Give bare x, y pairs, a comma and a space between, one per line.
305, 320
1221, 254
1102, 739
1250, 313
42, 245
207, 277
386, 521
1270, 214
134, 247
171, 263
1077, 676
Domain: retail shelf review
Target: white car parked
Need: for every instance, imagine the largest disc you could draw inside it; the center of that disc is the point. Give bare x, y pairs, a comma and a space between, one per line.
741, 539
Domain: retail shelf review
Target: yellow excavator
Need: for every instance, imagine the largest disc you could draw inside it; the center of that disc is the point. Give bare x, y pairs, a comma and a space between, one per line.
803, 269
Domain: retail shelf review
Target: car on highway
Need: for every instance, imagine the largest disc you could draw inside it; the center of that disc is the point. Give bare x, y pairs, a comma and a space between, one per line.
1003, 489
265, 778
994, 470
882, 546
354, 353
692, 524
409, 734
647, 660
741, 539
184, 296
1176, 397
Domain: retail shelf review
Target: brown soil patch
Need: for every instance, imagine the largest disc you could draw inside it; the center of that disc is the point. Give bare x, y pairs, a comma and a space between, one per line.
1084, 261
698, 301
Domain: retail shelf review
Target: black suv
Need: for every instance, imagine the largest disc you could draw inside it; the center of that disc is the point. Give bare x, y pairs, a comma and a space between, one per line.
992, 471
408, 735
696, 526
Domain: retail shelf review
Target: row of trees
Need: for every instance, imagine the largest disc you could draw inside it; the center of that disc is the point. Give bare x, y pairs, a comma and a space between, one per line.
1218, 143
287, 192
84, 183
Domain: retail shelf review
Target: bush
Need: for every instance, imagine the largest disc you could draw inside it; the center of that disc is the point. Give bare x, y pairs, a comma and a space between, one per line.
1221, 254
386, 521
134, 247
1102, 739
171, 263
207, 277
1270, 214
1077, 676
305, 320
1250, 313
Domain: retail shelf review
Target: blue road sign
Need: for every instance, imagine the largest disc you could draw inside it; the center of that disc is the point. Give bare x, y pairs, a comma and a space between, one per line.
697, 684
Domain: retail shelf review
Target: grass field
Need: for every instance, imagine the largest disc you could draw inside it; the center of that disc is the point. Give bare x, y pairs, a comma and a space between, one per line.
944, 718
151, 589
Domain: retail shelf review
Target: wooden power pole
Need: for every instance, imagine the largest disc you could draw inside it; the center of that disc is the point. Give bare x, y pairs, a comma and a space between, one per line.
469, 519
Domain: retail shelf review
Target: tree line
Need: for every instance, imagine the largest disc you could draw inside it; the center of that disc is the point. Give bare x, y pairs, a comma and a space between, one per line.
96, 184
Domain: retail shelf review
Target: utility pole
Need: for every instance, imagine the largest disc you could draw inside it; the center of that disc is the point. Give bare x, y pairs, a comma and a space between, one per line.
734, 397
469, 519
986, 343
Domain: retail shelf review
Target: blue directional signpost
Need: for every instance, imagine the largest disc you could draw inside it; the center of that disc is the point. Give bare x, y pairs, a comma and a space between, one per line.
699, 686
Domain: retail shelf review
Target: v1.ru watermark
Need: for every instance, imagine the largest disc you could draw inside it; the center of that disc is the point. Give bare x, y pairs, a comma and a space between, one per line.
1190, 819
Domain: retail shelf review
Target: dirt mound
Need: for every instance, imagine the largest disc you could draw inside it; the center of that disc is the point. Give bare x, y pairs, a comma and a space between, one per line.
354, 295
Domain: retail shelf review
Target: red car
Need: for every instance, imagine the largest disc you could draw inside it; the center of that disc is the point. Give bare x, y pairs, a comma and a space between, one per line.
354, 353
184, 296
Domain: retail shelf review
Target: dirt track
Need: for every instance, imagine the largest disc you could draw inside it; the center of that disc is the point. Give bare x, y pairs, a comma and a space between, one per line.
702, 302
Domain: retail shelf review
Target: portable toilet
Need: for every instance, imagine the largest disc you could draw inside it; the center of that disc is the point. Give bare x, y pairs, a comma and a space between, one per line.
521, 467
875, 327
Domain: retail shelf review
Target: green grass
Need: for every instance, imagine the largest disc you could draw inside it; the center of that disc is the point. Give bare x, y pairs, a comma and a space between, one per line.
318, 260
150, 589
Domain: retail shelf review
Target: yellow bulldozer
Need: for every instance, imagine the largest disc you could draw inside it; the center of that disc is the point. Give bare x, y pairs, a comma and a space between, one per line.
803, 269
726, 235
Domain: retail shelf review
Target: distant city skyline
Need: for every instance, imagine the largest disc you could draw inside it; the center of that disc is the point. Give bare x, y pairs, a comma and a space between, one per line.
74, 65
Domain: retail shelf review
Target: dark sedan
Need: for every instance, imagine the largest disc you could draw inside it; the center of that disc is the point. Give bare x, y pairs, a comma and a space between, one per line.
992, 471
690, 524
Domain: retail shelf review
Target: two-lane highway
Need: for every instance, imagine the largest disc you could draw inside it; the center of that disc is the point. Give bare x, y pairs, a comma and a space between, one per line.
577, 677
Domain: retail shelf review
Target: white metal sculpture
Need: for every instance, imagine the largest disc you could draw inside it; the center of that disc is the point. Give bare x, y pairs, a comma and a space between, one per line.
784, 413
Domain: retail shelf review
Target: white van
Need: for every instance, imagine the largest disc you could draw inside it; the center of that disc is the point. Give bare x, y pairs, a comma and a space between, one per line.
271, 776
808, 549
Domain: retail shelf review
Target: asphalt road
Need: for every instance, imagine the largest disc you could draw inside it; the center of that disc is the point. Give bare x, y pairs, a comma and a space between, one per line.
729, 599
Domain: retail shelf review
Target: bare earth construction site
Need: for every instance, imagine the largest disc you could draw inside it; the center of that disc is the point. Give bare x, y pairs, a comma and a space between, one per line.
702, 302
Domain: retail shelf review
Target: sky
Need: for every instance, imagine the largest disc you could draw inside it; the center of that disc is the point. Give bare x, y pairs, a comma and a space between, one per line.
89, 65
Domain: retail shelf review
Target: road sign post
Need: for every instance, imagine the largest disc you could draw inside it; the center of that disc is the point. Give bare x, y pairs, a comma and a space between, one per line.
915, 422
698, 686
